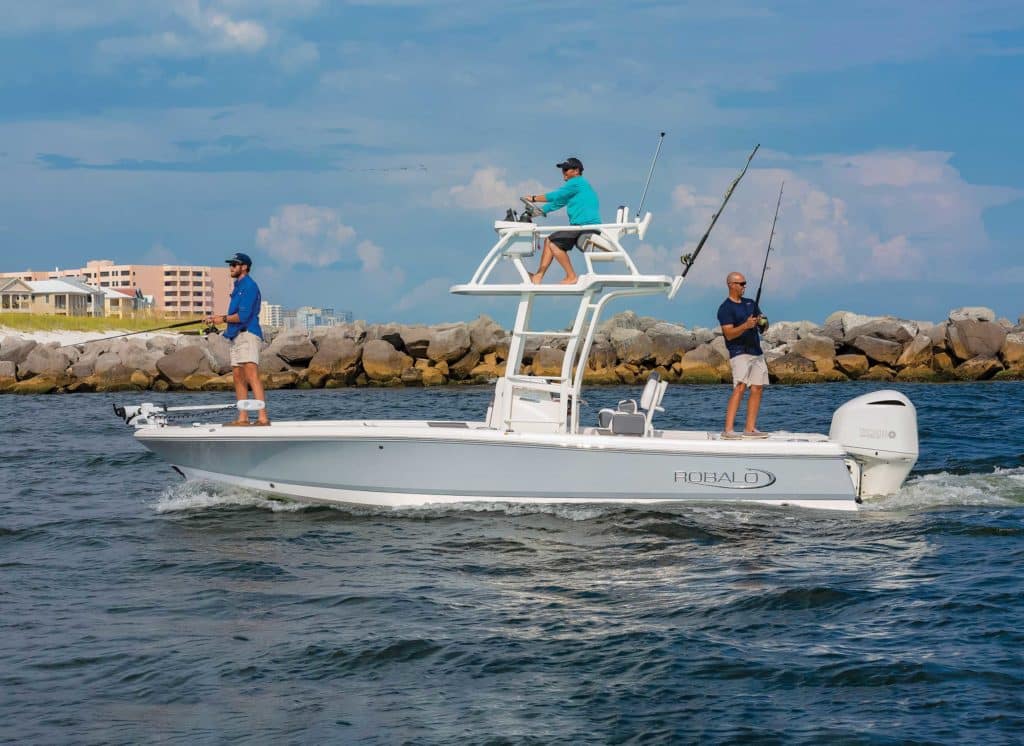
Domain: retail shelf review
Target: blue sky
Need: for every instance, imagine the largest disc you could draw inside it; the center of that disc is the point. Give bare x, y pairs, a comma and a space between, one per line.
361, 150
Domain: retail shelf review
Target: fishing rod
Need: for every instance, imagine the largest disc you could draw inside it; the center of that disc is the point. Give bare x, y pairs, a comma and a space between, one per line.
142, 331
689, 259
760, 285
640, 209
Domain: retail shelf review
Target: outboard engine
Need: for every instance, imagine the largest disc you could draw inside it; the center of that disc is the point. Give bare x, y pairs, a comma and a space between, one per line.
879, 430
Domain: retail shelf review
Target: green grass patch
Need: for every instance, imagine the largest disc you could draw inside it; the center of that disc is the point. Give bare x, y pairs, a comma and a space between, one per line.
31, 322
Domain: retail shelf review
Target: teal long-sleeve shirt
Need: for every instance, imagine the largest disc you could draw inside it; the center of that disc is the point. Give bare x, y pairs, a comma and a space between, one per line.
579, 200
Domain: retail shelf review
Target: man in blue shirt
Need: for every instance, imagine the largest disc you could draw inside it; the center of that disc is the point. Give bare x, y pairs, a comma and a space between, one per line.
580, 201
243, 320
740, 319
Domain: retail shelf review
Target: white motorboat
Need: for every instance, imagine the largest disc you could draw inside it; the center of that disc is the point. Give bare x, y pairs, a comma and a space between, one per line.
531, 446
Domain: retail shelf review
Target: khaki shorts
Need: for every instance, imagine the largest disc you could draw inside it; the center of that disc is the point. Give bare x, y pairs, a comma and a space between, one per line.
245, 348
749, 369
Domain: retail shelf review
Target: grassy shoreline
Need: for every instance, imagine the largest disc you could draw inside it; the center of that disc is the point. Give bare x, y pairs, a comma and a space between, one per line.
31, 322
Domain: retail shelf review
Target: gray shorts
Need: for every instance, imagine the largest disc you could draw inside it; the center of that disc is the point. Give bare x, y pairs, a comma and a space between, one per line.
245, 348
749, 369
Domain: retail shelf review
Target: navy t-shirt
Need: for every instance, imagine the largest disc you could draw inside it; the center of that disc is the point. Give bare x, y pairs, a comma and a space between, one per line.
734, 314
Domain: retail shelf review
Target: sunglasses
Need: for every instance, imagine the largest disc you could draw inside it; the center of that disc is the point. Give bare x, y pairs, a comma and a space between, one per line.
737, 283
234, 264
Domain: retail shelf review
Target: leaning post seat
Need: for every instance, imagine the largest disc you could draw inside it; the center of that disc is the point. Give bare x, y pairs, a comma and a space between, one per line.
632, 419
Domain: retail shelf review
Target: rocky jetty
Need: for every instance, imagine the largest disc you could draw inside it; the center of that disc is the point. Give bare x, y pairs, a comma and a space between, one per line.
970, 345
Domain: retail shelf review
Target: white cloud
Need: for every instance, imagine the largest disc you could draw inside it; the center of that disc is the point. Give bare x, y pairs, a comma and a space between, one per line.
844, 218
305, 234
487, 189
313, 235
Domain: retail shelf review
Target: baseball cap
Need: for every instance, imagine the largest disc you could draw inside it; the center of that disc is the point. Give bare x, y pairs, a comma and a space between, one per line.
571, 162
240, 258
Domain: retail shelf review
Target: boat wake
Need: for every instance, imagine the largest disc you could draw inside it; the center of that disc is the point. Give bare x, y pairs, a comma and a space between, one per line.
204, 495
998, 488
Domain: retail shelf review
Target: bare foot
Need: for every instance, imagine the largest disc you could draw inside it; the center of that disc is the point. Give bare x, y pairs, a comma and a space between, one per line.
536, 278
570, 280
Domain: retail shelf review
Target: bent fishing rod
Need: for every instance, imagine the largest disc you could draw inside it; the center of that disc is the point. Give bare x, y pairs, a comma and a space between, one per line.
760, 285
143, 331
689, 259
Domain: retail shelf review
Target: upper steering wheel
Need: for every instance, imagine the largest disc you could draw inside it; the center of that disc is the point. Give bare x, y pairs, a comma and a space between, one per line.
531, 208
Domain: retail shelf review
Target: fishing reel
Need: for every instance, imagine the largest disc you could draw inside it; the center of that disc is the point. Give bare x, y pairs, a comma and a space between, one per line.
210, 329
762, 324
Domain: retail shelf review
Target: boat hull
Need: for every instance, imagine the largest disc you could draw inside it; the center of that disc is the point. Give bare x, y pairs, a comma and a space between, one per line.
408, 465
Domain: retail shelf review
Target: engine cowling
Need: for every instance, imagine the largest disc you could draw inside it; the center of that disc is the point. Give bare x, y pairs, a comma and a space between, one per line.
879, 431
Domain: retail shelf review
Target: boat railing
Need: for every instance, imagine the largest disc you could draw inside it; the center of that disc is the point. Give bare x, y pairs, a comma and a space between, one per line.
599, 242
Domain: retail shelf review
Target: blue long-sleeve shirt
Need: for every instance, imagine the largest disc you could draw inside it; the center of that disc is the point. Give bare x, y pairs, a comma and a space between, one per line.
579, 200
245, 301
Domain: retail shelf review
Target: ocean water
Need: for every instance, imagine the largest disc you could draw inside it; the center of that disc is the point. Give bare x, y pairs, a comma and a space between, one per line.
136, 608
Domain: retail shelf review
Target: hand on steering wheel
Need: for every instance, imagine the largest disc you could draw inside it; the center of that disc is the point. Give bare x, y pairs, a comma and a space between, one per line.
535, 212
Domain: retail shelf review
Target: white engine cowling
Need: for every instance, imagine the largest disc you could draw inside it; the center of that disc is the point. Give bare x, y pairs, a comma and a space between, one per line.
879, 430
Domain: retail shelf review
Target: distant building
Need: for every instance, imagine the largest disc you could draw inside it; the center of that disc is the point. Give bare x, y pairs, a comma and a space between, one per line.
66, 297
174, 290
271, 316
312, 317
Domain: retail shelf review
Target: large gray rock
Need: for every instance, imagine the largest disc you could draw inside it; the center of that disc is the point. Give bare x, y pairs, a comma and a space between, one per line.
894, 330
631, 345
847, 320
384, 363
1012, 350
337, 359
416, 340
669, 342
486, 334
390, 333
163, 343
880, 350
701, 335
706, 355
602, 354
449, 343
182, 363
918, 351
296, 351
86, 363
219, 350
548, 362
8, 369
48, 360
834, 331
978, 368
16, 349
814, 347
782, 332
969, 338
972, 313
935, 332
624, 320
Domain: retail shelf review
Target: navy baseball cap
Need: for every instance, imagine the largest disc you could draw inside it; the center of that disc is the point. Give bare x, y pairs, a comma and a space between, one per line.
572, 162
239, 258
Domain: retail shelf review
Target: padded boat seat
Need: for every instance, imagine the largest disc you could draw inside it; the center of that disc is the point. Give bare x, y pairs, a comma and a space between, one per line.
593, 241
629, 418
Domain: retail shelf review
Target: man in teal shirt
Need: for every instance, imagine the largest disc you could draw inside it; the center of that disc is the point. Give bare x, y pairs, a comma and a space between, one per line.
580, 202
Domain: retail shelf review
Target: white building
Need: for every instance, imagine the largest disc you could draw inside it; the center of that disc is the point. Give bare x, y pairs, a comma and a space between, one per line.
271, 315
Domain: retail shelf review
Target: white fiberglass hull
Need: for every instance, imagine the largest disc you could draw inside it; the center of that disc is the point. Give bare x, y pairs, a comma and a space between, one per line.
402, 463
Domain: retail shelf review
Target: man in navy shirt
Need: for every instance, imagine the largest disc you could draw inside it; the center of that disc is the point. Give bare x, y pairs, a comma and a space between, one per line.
740, 318
243, 320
